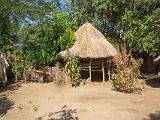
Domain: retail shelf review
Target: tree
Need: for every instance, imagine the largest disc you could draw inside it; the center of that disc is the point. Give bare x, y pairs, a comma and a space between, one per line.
41, 42
15, 13
136, 21
142, 27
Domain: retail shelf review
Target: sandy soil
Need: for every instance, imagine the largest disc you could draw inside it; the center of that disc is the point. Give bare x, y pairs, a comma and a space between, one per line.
93, 101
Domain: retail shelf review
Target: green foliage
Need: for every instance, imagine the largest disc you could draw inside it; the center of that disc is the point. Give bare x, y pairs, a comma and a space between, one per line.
66, 29
139, 19
126, 76
67, 39
40, 28
73, 70
40, 43
18, 63
14, 14
142, 27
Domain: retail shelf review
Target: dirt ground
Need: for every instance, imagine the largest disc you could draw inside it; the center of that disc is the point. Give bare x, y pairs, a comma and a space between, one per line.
93, 101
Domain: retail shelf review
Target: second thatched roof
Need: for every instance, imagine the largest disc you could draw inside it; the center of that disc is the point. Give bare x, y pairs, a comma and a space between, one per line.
90, 44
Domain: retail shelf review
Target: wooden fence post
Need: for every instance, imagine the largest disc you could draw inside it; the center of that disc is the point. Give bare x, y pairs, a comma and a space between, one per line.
103, 71
90, 70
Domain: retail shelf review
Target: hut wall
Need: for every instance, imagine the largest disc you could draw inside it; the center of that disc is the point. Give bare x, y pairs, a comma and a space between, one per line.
147, 66
96, 67
150, 65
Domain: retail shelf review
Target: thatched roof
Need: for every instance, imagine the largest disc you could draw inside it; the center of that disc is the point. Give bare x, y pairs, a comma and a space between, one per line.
156, 61
90, 44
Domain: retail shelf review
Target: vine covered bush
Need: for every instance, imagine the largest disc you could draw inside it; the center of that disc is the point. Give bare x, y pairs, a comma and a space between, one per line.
126, 75
73, 70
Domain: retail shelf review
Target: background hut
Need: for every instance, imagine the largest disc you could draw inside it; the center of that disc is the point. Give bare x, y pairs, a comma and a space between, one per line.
156, 62
93, 50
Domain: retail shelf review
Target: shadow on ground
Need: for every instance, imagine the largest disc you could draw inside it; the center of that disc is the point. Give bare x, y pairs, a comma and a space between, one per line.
153, 82
63, 114
10, 87
154, 116
5, 105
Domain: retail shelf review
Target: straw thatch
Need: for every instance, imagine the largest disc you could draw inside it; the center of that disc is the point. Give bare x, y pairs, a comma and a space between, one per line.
156, 61
90, 44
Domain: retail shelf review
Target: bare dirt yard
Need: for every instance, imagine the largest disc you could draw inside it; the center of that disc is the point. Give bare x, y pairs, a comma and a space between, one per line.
93, 101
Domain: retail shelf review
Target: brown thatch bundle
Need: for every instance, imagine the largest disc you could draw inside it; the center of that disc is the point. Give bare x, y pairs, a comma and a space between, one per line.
156, 61
90, 44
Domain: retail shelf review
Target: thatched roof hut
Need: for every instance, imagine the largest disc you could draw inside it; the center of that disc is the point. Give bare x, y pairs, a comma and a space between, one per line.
156, 61
90, 44
93, 50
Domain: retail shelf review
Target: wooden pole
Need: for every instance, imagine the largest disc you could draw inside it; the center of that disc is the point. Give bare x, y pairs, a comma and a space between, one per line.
109, 71
90, 70
103, 71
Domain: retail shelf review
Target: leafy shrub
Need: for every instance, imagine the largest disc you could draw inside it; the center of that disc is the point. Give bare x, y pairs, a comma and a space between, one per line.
126, 75
18, 62
73, 70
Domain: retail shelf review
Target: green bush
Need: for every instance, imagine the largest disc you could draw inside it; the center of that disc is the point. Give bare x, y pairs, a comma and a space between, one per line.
73, 70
